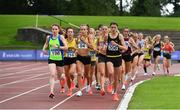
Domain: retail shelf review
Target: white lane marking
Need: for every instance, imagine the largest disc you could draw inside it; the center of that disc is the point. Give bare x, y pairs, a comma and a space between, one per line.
123, 105
9, 65
22, 72
22, 80
177, 75
16, 96
68, 98
19, 67
28, 80
18, 76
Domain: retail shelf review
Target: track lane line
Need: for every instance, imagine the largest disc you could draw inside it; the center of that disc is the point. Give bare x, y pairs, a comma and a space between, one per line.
68, 98
22, 72
16, 96
19, 67
22, 80
14, 64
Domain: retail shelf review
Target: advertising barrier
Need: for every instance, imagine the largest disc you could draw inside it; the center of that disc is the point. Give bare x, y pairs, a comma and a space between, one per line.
37, 55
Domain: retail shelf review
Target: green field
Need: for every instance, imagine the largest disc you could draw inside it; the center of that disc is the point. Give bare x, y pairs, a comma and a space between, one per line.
10, 23
158, 93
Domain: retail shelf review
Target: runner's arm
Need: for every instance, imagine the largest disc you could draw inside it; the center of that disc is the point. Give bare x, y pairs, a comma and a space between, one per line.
122, 46
65, 47
46, 43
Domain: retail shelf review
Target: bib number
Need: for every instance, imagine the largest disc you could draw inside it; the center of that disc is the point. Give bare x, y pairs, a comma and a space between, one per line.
82, 45
70, 54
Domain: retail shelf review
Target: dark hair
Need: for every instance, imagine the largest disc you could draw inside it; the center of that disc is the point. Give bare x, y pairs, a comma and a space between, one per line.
60, 29
66, 31
113, 23
56, 25
100, 26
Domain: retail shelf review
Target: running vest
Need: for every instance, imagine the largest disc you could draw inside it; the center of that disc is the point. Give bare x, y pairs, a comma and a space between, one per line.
92, 53
167, 48
55, 53
157, 47
113, 50
147, 53
101, 41
71, 45
128, 51
140, 43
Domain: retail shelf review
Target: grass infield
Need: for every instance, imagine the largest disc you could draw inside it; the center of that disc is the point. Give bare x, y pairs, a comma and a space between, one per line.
158, 93
10, 23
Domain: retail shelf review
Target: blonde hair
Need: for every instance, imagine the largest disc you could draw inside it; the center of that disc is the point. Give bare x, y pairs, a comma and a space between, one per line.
150, 41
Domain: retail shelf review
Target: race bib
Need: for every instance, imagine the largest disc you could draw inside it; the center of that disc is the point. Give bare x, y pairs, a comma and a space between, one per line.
70, 53
55, 52
82, 45
127, 44
92, 53
113, 47
157, 49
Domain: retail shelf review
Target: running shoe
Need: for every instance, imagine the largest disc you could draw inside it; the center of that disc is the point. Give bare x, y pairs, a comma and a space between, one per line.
115, 97
79, 94
153, 73
98, 87
51, 95
90, 91
109, 88
62, 82
145, 74
69, 93
102, 93
112, 92
123, 87
62, 90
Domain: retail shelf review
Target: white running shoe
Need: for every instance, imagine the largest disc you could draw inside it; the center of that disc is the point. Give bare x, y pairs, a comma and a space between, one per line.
112, 92
145, 74
79, 94
153, 73
123, 87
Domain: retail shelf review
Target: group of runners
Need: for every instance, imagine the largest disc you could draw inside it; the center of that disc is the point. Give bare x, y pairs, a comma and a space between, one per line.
104, 56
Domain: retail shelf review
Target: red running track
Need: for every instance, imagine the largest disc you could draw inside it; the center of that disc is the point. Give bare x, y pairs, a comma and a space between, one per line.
24, 85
